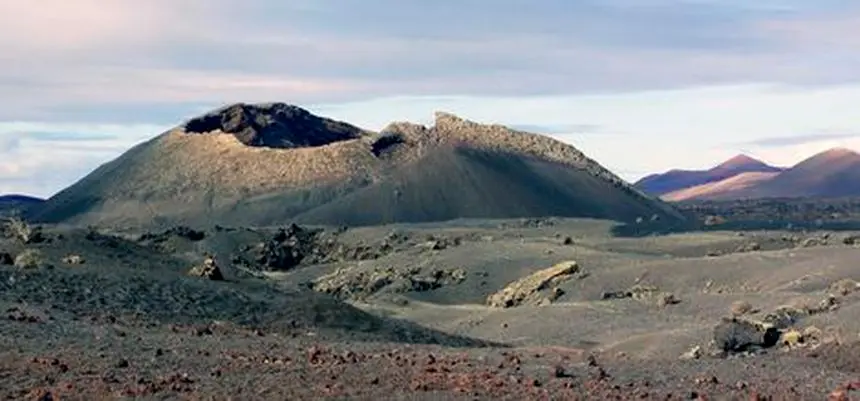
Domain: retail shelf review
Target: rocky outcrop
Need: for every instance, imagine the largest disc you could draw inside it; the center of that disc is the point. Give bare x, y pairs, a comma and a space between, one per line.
298, 245
275, 125
359, 284
738, 335
539, 288
208, 270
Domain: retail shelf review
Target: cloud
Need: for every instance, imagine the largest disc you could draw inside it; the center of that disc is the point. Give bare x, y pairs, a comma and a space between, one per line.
784, 141
672, 81
40, 159
88, 54
558, 129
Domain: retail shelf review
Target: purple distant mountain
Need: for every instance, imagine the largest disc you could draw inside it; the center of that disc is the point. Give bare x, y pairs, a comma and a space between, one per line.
829, 174
673, 180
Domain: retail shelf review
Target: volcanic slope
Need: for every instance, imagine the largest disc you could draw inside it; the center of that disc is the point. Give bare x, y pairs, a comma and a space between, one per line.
13, 204
273, 163
830, 174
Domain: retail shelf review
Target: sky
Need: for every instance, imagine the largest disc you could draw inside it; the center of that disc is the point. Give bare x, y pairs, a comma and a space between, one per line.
642, 86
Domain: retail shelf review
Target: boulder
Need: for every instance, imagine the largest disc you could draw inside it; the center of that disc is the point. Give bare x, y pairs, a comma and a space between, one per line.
209, 269
29, 259
737, 335
535, 289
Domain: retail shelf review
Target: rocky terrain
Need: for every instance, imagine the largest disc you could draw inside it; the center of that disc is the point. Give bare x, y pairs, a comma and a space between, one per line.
547, 308
252, 165
774, 213
263, 252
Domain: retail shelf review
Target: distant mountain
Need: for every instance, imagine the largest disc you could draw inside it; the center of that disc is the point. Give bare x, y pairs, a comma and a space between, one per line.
674, 180
723, 189
267, 164
831, 174
10, 204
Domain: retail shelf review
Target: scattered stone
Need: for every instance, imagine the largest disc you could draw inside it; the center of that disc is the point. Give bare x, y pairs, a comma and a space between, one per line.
693, 353
560, 373
21, 315
713, 220
355, 283
851, 240
792, 338
828, 304
122, 364
813, 241
749, 247
209, 269
666, 299
735, 335
73, 259
785, 316
296, 245
529, 223
640, 292
535, 289
178, 231
813, 334
844, 287
740, 308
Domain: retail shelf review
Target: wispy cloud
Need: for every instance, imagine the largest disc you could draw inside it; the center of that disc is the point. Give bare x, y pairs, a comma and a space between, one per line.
40, 159
559, 129
93, 53
784, 141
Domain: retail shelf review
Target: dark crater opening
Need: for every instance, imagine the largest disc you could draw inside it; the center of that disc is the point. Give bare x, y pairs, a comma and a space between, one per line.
385, 143
275, 125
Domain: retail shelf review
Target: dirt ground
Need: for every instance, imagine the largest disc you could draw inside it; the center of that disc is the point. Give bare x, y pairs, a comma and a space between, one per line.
401, 313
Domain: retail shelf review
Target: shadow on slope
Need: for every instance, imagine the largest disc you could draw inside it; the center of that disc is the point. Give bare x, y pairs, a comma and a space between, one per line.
454, 183
163, 299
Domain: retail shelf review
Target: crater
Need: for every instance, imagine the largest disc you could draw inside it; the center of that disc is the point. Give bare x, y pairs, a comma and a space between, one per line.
386, 143
274, 125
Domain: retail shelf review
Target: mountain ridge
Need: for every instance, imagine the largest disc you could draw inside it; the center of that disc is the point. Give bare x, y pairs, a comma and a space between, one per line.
676, 179
831, 173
